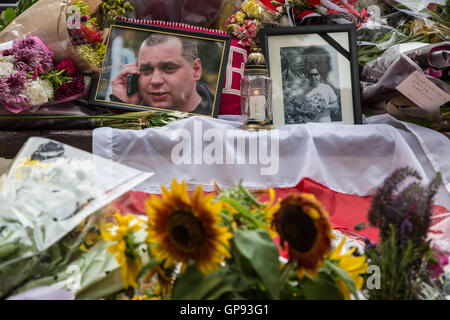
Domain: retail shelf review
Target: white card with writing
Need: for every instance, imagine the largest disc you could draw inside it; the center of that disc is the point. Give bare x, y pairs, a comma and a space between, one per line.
423, 92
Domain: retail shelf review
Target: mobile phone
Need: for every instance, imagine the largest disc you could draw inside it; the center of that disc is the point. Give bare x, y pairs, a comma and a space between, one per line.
132, 84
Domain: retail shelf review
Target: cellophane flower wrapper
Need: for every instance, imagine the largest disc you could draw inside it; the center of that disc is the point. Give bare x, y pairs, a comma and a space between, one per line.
49, 190
47, 19
93, 275
395, 22
381, 76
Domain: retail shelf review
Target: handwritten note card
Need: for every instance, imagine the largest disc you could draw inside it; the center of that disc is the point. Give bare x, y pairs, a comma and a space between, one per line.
423, 92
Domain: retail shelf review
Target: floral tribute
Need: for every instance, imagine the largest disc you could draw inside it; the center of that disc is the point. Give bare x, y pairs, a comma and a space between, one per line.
28, 76
85, 33
221, 244
245, 23
410, 265
335, 10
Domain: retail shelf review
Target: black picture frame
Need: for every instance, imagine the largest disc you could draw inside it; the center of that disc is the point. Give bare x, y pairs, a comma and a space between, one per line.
216, 56
334, 43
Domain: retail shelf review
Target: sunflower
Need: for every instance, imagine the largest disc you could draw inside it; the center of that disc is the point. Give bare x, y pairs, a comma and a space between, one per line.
126, 255
269, 211
187, 227
164, 281
354, 266
303, 224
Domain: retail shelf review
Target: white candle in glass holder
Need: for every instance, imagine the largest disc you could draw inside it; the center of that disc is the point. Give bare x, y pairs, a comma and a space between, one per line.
257, 106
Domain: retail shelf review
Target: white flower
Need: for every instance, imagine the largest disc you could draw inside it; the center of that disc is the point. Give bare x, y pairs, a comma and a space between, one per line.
9, 58
38, 91
6, 68
284, 22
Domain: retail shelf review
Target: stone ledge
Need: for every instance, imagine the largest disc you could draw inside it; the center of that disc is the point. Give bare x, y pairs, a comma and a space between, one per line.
12, 141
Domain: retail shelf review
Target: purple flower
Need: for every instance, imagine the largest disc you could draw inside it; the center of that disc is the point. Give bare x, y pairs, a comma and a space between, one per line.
21, 66
8, 52
24, 43
15, 103
16, 82
29, 55
406, 227
4, 88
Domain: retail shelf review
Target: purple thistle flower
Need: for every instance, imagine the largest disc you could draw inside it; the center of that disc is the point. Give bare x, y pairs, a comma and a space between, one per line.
406, 227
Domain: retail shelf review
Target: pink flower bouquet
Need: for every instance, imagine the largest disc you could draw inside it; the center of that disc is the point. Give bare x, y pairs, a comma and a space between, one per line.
29, 78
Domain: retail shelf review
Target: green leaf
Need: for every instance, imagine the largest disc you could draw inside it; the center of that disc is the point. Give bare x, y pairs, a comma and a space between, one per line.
344, 276
9, 248
323, 287
7, 16
262, 253
147, 267
193, 285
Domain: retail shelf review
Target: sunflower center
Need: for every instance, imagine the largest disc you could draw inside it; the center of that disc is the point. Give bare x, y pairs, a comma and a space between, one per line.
297, 228
185, 231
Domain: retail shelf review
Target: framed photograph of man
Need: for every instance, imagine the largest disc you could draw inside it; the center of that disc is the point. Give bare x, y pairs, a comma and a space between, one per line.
164, 69
314, 71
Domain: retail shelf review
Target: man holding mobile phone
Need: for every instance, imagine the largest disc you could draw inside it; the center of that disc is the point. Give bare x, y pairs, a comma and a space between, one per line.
166, 75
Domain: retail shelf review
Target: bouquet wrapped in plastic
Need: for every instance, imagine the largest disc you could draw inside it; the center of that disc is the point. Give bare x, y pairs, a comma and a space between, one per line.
67, 30
29, 77
47, 205
396, 22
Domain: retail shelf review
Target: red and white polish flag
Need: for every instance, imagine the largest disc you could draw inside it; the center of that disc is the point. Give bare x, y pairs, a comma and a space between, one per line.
342, 165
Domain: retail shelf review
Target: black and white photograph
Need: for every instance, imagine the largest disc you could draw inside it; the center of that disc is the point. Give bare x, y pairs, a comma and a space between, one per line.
314, 74
311, 90
152, 67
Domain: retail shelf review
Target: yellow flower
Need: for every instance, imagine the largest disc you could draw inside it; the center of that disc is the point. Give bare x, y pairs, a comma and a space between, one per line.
144, 297
164, 281
269, 211
303, 224
128, 259
240, 17
250, 8
187, 227
354, 266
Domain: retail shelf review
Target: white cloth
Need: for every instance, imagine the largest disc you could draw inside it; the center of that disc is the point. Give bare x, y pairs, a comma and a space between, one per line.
351, 159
